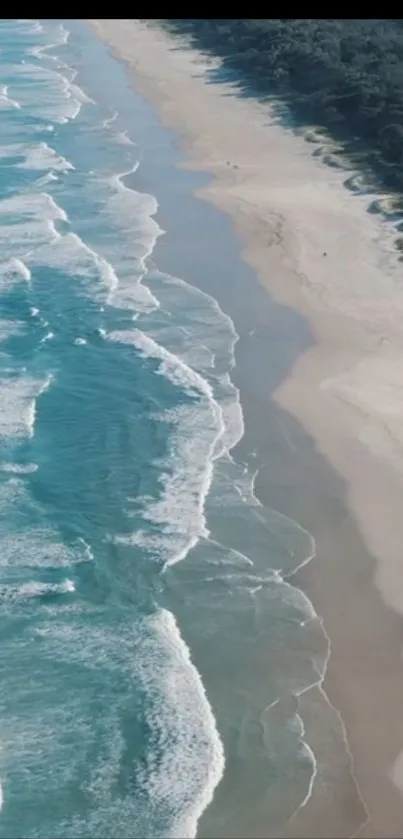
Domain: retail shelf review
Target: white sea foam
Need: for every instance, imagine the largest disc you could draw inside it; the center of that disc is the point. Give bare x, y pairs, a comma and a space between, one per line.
32, 24
5, 100
10, 593
35, 156
48, 337
44, 180
133, 213
42, 156
19, 468
34, 240
17, 409
58, 36
37, 548
202, 320
28, 232
44, 92
19, 266
185, 480
227, 395
71, 255
171, 366
184, 757
195, 430
123, 138
64, 34
31, 206
13, 271
26, 539
110, 120
188, 760
205, 340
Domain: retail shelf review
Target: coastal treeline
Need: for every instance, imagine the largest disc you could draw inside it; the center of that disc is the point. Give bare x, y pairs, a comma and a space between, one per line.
346, 75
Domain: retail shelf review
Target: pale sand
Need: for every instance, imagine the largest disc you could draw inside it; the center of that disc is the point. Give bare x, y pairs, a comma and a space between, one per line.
347, 390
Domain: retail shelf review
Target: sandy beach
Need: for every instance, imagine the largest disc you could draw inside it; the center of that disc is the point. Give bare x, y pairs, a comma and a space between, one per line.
317, 249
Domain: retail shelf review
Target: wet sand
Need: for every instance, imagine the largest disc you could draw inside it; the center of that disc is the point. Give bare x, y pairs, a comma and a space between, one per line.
345, 390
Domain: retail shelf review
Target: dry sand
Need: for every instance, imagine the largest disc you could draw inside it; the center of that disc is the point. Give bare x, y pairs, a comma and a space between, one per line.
347, 390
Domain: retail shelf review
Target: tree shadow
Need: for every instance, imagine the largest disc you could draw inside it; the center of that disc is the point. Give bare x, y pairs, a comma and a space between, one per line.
334, 144
350, 153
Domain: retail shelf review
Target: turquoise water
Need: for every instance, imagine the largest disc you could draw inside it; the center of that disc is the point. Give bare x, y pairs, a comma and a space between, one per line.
126, 525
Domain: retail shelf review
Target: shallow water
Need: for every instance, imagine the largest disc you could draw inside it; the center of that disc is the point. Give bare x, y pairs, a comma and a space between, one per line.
127, 525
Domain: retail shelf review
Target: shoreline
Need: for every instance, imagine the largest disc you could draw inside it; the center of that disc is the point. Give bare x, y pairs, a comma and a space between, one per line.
321, 392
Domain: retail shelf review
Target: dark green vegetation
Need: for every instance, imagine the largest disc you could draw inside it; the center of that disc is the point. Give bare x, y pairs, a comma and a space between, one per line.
346, 75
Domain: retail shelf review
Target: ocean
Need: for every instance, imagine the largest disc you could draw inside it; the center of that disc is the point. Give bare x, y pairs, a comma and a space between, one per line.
151, 651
